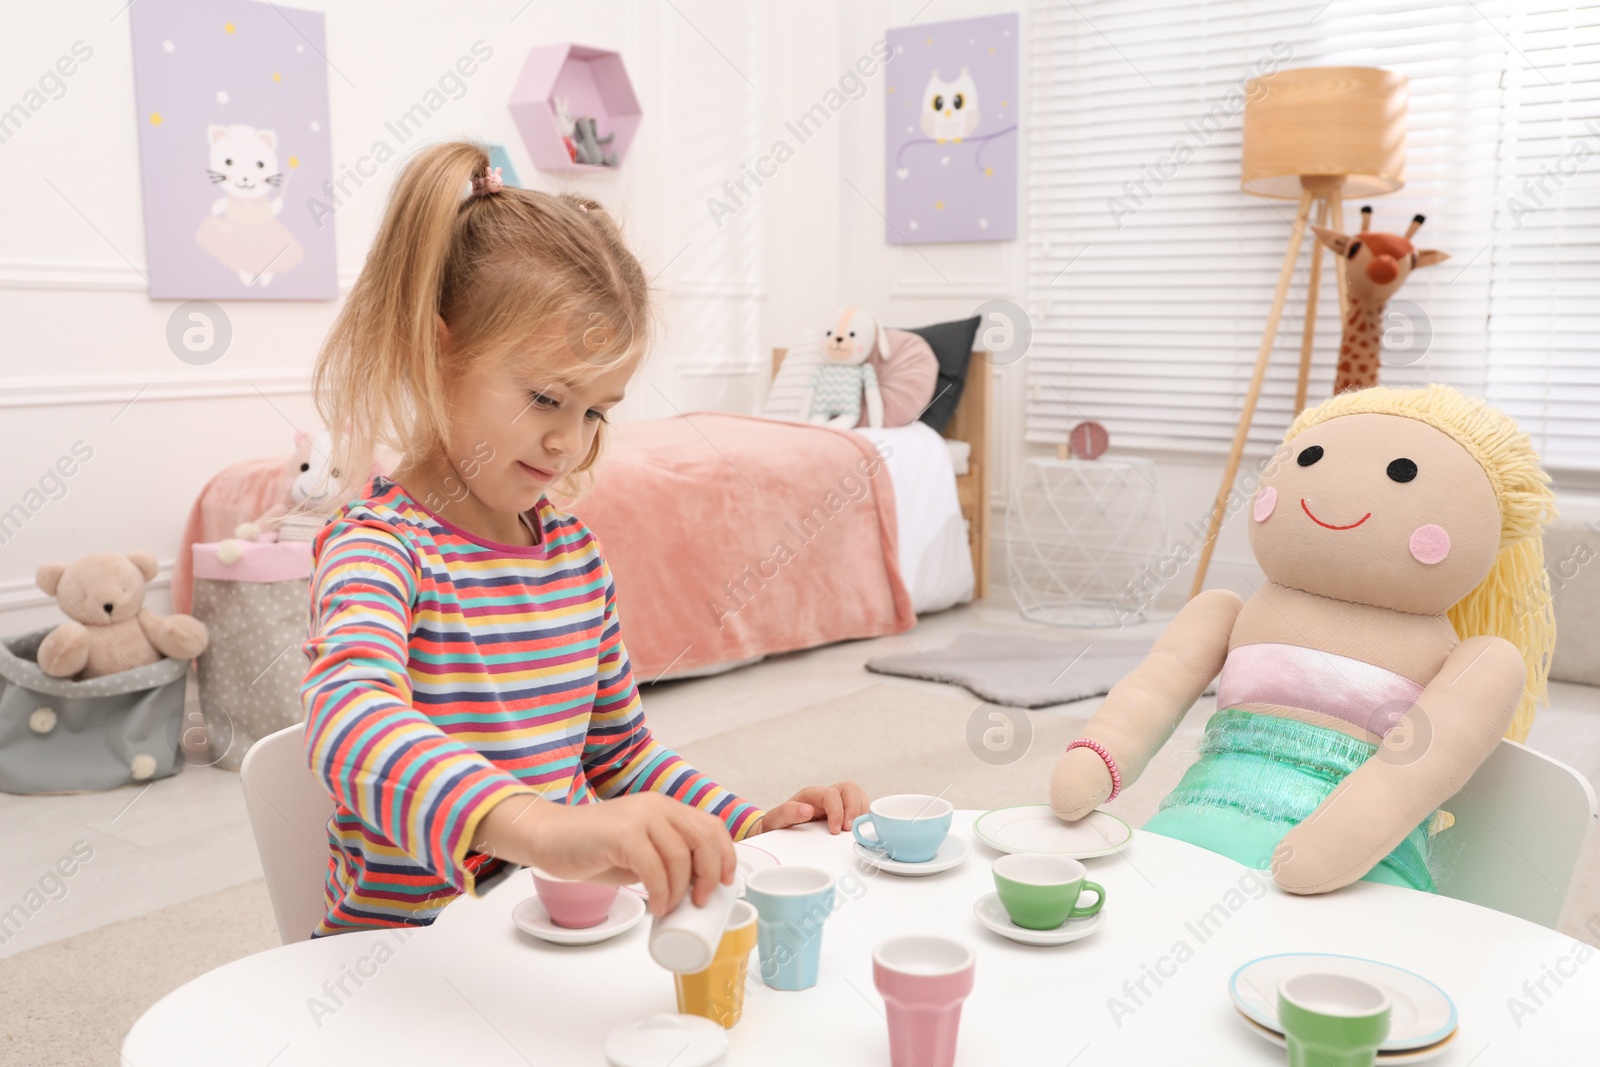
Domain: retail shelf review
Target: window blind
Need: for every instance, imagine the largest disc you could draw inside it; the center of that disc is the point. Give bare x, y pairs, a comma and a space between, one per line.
1151, 274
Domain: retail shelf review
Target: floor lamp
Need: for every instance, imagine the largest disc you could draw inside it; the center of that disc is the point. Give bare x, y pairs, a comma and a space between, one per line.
1316, 135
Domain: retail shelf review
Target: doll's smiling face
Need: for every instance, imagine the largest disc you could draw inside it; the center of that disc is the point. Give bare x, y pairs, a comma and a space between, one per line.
1376, 509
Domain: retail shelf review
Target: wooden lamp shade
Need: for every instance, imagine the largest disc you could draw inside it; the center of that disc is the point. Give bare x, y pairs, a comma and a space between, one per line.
1316, 135
1345, 122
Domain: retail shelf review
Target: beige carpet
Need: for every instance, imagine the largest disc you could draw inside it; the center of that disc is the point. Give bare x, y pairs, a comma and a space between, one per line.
72, 1002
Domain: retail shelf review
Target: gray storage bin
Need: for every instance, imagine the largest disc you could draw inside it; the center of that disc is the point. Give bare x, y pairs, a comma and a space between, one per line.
61, 736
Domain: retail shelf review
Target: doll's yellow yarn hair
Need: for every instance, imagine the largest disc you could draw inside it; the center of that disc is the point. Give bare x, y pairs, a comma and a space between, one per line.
1513, 600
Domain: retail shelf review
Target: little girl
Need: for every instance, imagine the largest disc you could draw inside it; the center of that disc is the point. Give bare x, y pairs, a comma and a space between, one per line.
469, 697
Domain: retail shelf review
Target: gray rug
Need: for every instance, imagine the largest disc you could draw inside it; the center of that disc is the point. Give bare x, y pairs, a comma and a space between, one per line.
1022, 672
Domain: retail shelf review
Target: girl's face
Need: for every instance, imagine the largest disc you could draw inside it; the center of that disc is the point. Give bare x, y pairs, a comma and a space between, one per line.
522, 423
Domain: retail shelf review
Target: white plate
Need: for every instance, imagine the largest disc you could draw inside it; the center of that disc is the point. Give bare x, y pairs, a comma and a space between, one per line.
752, 859
953, 852
531, 918
1035, 828
992, 913
667, 1041
1410, 1055
1423, 1014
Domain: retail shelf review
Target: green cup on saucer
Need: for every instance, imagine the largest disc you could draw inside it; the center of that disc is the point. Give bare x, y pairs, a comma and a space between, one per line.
1040, 891
1332, 1020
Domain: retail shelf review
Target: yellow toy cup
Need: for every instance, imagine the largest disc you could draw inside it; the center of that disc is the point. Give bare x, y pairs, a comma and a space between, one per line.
717, 993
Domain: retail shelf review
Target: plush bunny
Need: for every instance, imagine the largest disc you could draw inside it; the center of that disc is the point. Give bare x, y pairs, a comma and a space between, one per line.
1404, 626
110, 629
844, 374
311, 486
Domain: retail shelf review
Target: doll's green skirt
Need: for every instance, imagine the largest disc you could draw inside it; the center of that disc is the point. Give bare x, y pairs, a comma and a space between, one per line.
1257, 777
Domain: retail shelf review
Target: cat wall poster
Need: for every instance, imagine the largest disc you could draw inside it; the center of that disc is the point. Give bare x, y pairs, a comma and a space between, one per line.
234, 146
951, 123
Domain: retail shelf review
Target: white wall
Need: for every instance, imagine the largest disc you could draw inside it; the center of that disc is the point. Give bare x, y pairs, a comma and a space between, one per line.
84, 358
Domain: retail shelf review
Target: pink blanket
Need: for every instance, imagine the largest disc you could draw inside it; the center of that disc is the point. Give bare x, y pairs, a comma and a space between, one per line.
732, 537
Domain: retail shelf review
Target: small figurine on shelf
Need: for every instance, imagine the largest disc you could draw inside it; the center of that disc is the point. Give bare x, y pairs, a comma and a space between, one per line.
567, 126
589, 143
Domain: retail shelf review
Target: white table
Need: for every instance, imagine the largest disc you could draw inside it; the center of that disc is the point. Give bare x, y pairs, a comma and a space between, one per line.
473, 988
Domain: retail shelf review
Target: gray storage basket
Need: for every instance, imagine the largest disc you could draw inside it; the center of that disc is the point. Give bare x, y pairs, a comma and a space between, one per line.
61, 736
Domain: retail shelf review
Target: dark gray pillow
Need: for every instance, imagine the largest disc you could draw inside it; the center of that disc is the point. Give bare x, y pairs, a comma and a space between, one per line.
952, 344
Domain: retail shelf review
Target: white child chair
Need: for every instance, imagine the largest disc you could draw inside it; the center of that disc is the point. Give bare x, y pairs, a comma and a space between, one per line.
1521, 822
289, 811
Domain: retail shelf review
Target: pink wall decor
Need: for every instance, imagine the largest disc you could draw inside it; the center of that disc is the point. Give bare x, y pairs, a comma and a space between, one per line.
577, 81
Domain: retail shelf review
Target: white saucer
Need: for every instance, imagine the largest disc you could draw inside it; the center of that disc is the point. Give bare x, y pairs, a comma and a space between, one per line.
1035, 828
531, 918
1423, 1015
1410, 1055
752, 859
992, 913
667, 1041
953, 852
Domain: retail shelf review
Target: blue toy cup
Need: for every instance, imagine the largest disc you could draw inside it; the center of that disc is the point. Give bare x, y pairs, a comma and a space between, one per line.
792, 904
909, 827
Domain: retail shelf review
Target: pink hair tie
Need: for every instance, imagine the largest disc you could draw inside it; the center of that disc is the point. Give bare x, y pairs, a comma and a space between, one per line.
487, 182
1111, 765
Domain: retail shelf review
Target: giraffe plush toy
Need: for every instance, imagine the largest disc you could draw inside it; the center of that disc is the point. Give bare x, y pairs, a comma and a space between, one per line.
1376, 266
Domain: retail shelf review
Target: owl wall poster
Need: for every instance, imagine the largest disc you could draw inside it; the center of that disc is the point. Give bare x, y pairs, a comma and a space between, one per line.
952, 129
232, 107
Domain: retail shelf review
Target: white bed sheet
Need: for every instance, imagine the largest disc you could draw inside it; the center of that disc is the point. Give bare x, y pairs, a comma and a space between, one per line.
935, 560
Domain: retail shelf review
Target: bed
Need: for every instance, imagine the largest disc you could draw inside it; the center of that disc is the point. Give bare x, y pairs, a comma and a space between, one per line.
736, 537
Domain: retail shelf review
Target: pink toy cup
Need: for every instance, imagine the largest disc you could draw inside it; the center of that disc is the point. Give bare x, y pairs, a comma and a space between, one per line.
924, 981
571, 904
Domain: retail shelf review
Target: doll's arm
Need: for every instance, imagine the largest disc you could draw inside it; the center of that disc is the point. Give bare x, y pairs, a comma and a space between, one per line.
1141, 711
1423, 761
869, 379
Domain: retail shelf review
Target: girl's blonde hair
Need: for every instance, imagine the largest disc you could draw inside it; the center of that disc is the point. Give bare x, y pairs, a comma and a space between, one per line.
1513, 600
496, 267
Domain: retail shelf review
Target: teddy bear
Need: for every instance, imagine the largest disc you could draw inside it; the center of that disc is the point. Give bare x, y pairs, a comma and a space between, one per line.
844, 374
1404, 626
110, 630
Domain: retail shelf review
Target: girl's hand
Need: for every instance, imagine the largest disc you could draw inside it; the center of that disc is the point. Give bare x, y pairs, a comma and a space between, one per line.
839, 804
646, 837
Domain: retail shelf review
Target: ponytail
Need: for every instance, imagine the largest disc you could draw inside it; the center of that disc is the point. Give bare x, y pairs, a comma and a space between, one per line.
493, 267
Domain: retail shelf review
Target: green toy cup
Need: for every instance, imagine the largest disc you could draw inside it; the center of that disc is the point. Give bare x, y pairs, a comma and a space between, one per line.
1332, 1020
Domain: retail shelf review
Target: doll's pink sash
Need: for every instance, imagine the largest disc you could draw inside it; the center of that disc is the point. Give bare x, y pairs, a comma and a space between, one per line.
1351, 690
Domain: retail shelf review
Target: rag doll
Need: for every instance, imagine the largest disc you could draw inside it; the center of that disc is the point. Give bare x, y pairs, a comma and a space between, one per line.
1404, 627
844, 375
109, 628
243, 232
1376, 265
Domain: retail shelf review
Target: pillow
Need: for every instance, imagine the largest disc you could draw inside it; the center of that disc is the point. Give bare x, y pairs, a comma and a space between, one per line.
907, 377
952, 346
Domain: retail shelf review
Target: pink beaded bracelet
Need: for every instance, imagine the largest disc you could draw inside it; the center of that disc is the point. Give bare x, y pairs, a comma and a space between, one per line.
1111, 765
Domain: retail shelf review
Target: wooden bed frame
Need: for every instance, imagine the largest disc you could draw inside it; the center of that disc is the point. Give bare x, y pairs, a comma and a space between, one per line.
970, 424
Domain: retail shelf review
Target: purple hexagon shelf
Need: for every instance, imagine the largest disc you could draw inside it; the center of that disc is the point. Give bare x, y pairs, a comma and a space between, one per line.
594, 83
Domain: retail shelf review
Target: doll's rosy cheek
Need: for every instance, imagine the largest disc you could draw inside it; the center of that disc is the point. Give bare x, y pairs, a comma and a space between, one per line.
1430, 544
1266, 500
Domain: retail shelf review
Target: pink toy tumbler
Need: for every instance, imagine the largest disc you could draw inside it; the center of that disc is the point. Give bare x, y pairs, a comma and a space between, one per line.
923, 981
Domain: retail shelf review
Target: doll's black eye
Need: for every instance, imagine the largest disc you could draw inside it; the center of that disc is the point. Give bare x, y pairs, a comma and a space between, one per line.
304, 467
1308, 456
1402, 470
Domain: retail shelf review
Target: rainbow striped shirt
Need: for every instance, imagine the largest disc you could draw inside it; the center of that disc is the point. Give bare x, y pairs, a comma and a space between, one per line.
448, 673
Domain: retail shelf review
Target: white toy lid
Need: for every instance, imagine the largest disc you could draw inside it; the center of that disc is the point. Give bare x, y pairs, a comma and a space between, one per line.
660, 1040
